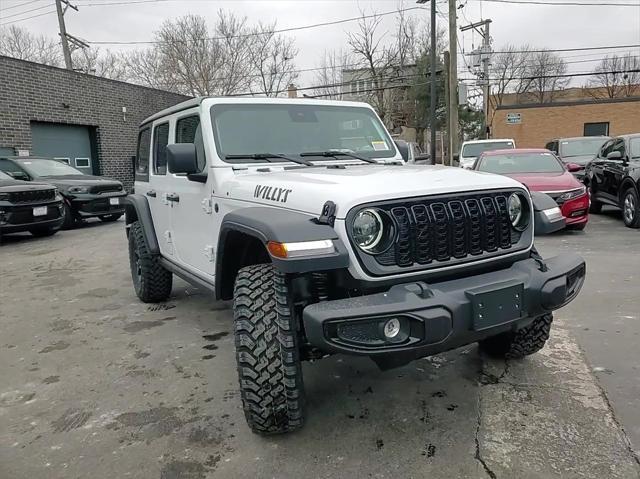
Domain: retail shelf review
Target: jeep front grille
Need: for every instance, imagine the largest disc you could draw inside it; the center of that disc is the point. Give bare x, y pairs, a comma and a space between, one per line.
438, 231
32, 196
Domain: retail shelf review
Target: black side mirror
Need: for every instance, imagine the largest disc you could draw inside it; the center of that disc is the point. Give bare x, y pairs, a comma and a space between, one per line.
547, 217
403, 148
426, 157
456, 157
182, 158
614, 155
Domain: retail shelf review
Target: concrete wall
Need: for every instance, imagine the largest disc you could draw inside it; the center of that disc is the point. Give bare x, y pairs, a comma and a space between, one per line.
541, 123
33, 92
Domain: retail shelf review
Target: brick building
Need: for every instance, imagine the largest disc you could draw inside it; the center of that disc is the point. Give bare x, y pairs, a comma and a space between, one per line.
579, 112
87, 121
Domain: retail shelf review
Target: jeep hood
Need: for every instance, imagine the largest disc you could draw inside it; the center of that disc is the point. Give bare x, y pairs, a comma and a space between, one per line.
307, 189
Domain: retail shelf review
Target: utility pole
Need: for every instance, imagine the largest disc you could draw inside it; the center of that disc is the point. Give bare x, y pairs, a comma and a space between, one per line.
447, 99
432, 101
483, 55
453, 82
65, 38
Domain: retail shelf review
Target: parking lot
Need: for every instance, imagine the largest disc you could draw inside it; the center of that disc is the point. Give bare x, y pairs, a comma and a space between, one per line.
95, 383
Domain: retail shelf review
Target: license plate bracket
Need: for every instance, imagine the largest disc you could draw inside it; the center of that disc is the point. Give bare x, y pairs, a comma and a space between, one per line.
496, 304
40, 211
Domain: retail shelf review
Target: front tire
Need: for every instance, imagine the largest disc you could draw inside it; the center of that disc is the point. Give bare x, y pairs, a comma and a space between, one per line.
631, 208
267, 351
70, 220
151, 281
521, 343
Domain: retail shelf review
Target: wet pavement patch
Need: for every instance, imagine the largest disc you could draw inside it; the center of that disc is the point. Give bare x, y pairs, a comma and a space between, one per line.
71, 419
57, 346
183, 470
215, 336
51, 379
137, 326
11, 398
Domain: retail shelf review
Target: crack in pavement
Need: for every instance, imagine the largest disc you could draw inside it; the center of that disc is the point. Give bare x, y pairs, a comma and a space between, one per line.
478, 456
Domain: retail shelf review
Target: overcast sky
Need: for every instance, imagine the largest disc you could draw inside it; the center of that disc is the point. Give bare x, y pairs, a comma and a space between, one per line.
537, 25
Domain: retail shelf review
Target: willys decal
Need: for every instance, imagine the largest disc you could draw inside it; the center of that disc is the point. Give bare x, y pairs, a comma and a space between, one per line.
272, 193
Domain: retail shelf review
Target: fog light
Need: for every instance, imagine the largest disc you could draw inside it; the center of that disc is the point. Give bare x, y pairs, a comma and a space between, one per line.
392, 328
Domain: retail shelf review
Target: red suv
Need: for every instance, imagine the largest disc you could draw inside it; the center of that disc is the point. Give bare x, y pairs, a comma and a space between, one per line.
540, 170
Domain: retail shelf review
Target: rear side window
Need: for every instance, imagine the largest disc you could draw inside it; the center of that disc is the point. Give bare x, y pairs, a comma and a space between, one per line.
160, 141
142, 155
188, 131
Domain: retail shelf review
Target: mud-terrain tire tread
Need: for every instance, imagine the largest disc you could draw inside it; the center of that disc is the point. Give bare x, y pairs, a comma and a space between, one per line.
267, 353
521, 343
155, 282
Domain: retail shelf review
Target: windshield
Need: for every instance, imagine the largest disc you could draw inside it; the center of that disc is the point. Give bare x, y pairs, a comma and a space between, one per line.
4, 176
43, 167
476, 149
289, 129
520, 163
581, 147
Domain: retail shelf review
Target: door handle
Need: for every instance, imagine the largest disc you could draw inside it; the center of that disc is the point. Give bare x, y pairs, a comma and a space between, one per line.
151, 193
173, 197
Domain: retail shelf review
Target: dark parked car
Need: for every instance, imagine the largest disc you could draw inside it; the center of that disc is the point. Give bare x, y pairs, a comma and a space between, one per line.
84, 196
579, 150
613, 178
540, 170
32, 207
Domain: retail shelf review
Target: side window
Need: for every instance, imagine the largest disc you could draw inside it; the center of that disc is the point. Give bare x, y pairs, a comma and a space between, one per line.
188, 131
606, 149
142, 155
619, 146
634, 148
549, 146
160, 141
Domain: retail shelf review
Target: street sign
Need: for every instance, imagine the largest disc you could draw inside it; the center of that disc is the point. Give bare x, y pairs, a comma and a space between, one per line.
514, 118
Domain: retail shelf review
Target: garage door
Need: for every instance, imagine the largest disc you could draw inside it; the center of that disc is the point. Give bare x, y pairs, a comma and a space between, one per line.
68, 143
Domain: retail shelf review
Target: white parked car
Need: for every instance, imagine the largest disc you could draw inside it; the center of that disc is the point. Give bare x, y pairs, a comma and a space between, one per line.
303, 213
472, 149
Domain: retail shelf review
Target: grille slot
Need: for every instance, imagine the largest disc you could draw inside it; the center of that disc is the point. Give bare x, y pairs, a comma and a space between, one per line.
440, 230
31, 196
106, 188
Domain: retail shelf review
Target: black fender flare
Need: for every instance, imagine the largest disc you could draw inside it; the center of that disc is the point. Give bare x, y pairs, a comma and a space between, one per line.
136, 208
284, 226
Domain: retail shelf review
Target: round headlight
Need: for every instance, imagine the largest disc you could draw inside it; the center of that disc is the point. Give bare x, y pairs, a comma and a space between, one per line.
367, 229
515, 209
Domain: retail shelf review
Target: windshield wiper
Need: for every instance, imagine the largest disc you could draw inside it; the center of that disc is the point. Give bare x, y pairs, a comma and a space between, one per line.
335, 154
267, 156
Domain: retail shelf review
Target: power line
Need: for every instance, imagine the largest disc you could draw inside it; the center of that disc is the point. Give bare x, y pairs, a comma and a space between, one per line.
563, 3
270, 32
564, 75
27, 18
20, 5
552, 50
27, 11
123, 3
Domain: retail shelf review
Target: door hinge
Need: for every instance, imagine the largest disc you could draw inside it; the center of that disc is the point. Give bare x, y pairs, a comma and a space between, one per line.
210, 253
206, 205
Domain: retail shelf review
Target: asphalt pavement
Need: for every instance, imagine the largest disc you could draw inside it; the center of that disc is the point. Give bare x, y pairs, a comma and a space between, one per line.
96, 384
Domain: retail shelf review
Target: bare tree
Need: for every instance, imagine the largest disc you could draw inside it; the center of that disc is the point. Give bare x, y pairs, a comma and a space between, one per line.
272, 57
616, 77
506, 72
545, 77
148, 67
104, 64
329, 74
19, 43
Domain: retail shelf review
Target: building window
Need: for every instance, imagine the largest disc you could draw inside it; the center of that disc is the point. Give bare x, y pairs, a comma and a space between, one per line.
596, 129
62, 160
354, 87
83, 163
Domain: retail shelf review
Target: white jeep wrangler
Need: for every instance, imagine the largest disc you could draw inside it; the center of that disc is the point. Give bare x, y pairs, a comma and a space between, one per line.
303, 213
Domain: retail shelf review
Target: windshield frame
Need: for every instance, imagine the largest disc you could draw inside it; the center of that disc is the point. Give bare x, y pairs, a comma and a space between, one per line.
25, 164
561, 166
389, 154
562, 143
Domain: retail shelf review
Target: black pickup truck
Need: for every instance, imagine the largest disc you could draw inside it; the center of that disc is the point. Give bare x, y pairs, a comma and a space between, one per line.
27, 206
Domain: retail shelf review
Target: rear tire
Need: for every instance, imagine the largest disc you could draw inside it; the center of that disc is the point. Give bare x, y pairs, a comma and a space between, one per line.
42, 232
151, 281
521, 343
110, 218
267, 351
631, 208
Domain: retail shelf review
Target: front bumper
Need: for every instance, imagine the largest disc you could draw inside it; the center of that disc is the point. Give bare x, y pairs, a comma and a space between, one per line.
92, 205
17, 218
576, 211
442, 316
